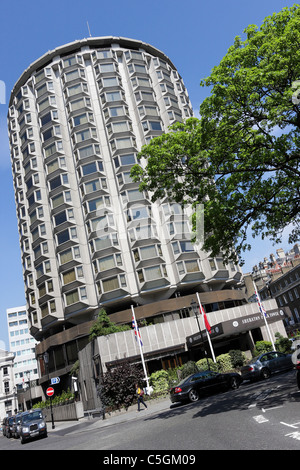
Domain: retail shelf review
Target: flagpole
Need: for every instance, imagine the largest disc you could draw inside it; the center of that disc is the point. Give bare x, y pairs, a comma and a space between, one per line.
140, 346
207, 334
263, 314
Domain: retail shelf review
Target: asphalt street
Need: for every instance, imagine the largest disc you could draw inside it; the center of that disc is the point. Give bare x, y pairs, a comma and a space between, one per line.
264, 415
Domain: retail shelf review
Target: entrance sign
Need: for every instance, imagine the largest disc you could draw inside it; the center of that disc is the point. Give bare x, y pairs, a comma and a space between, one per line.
55, 380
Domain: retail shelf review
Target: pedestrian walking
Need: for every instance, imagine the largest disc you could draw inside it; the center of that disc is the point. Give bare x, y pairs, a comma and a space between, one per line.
140, 392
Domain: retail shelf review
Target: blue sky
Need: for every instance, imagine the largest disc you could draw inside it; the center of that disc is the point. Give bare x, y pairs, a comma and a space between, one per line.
194, 34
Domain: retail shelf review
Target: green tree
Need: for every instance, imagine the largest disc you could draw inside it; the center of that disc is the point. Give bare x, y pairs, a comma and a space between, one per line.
242, 157
118, 387
104, 326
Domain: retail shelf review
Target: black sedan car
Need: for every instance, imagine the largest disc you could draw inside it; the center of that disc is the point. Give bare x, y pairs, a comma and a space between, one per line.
205, 382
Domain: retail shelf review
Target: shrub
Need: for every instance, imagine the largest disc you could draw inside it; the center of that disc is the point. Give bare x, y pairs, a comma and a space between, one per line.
104, 326
62, 399
202, 365
159, 380
237, 357
118, 387
224, 362
189, 368
262, 347
283, 344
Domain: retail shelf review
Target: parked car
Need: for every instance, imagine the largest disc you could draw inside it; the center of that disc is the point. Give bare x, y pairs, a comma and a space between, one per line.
4, 426
9, 426
16, 426
192, 387
266, 364
32, 425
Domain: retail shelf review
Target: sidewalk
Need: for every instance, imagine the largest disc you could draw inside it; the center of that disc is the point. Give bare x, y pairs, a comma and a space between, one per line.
70, 427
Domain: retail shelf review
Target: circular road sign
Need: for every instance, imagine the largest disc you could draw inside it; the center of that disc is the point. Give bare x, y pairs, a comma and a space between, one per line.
50, 391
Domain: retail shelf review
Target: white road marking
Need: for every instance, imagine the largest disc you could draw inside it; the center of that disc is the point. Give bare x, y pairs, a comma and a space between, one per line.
260, 419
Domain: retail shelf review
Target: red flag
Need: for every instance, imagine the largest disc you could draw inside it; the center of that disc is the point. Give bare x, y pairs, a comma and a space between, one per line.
207, 325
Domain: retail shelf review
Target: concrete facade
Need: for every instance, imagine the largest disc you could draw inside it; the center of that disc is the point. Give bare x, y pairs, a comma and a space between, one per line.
78, 117
8, 392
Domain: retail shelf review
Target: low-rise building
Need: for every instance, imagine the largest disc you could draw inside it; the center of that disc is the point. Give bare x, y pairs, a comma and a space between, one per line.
8, 393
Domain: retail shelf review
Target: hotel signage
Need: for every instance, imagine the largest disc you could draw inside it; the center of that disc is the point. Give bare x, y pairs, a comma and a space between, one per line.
237, 325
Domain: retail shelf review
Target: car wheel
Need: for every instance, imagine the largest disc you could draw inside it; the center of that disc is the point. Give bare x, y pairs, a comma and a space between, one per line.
234, 383
265, 373
193, 395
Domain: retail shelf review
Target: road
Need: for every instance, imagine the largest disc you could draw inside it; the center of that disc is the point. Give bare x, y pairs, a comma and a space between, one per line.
261, 416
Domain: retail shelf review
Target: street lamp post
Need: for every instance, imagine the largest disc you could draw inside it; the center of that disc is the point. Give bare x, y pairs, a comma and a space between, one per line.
46, 361
194, 306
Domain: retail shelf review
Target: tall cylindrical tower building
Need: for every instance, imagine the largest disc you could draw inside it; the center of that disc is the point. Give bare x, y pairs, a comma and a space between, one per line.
89, 238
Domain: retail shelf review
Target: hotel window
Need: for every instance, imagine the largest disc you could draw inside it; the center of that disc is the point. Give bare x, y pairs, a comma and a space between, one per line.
180, 229
58, 181
91, 168
86, 134
136, 213
151, 273
182, 247
122, 160
107, 68
79, 88
150, 110
113, 96
110, 81
137, 68
109, 262
72, 297
66, 235
80, 103
101, 223
132, 195
116, 111
124, 178
96, 204
190, 266
104, 242
55, 147
151, 125
72, 275
104, 54
69, 254
122, 126
85, 152
56, 164
62, 198
69, 61
143, 232
147, 252
114, 283
79, 73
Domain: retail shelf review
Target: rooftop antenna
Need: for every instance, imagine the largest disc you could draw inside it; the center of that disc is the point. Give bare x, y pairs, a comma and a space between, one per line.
89, 28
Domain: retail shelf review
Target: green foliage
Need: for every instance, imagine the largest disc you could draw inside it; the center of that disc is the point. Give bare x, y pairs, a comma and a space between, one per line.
75, 369
283, 344
189, 368
159, 380
63, 399
262, 347
104, 326
118, 387
247, 142
237, 357
202, 365
224, 362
